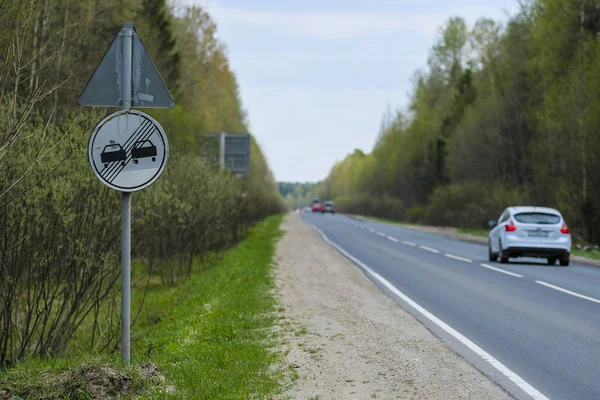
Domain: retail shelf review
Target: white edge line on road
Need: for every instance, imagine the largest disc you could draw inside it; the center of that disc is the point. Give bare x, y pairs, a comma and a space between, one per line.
516, 379
567, 291
409, 244
501, 270
429, 249
393, 239
381, 234
458, 258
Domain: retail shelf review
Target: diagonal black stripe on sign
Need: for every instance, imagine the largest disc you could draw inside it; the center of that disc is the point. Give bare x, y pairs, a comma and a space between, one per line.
141, 136
126, 147
114, 164
145, 136
150, 129
129, 158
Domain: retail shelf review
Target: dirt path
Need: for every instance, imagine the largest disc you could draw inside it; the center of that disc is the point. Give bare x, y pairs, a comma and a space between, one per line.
348, 340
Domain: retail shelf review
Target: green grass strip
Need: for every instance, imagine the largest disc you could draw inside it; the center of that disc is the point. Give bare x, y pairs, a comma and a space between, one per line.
593, 254
215, 340
210, 337
474, 232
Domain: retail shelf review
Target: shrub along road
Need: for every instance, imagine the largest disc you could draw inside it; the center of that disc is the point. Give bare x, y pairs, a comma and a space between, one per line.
210, 337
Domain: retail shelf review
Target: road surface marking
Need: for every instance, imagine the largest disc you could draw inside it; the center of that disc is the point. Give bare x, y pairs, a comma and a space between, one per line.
371, 230
457, 258
516, 379
393, 239
501, 270
568, 291
381, 234
409, 244
429, 249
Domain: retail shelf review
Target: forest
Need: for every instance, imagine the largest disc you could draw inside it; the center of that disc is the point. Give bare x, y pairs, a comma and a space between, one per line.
502, 114
60, 239
297, 194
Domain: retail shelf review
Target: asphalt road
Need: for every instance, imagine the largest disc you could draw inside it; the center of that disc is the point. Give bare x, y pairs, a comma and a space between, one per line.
541, 322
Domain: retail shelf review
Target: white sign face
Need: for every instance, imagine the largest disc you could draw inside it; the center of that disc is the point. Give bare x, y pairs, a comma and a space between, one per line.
128, 150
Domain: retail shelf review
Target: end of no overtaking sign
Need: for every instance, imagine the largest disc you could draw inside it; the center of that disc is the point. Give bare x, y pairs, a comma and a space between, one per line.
128, 150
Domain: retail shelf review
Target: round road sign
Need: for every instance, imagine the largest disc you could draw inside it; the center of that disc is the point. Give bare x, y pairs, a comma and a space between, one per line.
128, 150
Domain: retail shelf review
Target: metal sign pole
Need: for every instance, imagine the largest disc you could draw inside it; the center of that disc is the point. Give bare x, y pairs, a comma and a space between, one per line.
222, 152
127, 36
127, 141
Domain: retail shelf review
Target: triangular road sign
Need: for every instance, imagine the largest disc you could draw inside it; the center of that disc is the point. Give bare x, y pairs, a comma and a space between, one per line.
104, 87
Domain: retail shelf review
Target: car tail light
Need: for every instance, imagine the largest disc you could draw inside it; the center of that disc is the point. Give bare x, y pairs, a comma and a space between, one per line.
510, 227
565, 229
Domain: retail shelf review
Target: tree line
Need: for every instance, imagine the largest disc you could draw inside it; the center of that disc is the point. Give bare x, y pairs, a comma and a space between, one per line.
501, 115
60, 237
297, 194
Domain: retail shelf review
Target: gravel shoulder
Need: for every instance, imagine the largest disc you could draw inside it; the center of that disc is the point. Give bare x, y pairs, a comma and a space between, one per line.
347, 340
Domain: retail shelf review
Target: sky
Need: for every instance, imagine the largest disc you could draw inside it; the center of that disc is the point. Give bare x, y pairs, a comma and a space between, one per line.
316, 76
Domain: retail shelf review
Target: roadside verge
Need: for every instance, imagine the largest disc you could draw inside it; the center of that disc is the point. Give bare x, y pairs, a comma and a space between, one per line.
349, 340
209, 338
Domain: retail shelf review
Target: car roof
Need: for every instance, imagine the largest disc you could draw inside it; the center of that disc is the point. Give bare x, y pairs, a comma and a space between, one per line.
520, 209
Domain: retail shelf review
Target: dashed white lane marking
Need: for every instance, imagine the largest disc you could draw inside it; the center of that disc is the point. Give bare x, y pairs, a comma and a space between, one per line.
381, 234
429, 249
371, 230
568, 291
501, 270
393, 239
458, 258
411, 244
516, 379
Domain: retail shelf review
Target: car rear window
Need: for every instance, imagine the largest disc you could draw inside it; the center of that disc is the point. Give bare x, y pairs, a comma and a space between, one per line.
537, 218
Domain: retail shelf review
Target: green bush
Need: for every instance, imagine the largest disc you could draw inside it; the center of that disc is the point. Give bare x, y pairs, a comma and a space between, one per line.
416, 214
378, 206
471, 204
60, 248
60, 242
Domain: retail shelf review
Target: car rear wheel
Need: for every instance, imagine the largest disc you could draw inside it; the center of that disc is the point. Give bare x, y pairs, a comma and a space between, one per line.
551, 260
491, 255
564, 262
503, 255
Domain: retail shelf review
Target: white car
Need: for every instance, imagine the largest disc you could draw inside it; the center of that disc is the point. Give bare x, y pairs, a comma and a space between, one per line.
530, 232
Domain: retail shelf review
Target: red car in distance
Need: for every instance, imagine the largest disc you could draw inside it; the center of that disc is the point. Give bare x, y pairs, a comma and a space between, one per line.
317, 206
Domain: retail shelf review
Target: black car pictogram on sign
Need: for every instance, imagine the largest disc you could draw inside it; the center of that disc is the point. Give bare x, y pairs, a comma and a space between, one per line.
111, 153
143, 149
